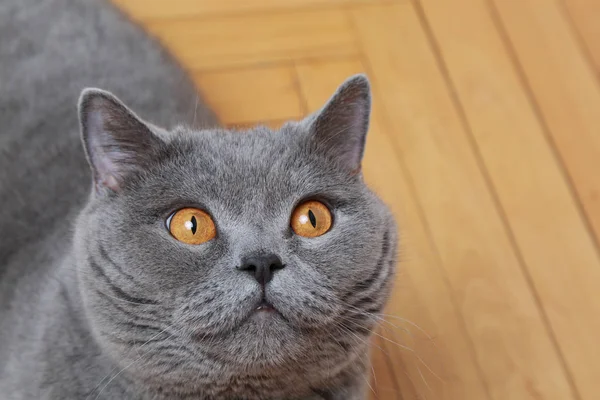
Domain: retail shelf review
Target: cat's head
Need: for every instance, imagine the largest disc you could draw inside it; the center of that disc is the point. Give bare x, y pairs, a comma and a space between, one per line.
249, 253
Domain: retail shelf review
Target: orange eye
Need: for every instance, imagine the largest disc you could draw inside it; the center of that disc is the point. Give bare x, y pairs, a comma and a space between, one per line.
191, 226
311, 219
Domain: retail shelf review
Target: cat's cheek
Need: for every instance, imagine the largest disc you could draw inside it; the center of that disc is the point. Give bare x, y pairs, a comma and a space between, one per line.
300, 296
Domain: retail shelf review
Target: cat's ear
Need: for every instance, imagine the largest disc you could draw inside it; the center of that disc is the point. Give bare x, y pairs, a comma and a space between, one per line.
340, 127
117, 143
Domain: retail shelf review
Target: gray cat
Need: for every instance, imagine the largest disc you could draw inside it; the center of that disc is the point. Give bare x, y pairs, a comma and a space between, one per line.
192, 262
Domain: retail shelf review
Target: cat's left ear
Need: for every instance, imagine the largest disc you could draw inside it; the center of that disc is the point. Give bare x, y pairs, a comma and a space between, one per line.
118, 144
340, 128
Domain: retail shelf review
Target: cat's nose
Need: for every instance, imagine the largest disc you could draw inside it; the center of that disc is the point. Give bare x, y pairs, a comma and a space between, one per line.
261, 267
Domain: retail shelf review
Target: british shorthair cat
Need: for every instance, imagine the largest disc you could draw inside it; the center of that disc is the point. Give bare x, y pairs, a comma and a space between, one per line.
165, 261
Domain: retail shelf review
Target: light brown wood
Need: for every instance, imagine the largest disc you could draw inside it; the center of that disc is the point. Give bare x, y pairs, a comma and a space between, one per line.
586, 16
241, 40
156, 9
527, 179
484, 141
480, 262
232, 94
564, 87
382, 380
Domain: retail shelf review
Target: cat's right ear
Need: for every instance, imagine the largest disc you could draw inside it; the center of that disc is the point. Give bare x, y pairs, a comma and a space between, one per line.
340, 128
117, 143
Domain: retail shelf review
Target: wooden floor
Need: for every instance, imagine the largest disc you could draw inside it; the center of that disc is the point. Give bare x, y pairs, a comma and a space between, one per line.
485, 141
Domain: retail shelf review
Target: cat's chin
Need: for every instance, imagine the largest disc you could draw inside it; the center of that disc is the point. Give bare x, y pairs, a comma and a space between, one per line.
260, 321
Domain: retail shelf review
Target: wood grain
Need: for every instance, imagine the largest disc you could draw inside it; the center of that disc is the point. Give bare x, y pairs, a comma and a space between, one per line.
526, 176
241, 40
156, 9
383, 381
480, 263
585, 14
564, 88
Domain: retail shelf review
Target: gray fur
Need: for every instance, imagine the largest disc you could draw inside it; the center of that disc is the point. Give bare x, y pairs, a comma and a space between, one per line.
108, 304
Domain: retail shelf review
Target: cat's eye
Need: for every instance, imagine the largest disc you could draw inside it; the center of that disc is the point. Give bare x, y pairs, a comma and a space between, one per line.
311, 219
191, 226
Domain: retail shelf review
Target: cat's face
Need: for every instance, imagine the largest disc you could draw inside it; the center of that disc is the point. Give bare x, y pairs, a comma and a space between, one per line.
186, 309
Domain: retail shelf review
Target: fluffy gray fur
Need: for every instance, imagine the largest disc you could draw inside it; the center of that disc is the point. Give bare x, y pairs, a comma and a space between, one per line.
99, 301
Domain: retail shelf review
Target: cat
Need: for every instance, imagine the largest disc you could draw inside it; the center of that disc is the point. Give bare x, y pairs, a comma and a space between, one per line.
175, 259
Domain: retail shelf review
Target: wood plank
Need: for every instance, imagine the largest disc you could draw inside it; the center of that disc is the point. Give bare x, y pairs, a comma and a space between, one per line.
513, 346
421, 303
565, 89
383, 380
558, 250
406, 385
257, 38
585, 15
254, 94
156, 9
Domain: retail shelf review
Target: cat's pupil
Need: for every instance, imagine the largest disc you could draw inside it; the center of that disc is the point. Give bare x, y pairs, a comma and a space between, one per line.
194, 225
312, 218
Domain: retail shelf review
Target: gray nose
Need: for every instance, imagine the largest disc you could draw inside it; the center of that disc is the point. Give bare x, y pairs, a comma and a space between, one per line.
261, 267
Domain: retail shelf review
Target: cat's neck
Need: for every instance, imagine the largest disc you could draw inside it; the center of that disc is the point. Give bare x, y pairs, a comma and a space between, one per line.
68, 338
99, 377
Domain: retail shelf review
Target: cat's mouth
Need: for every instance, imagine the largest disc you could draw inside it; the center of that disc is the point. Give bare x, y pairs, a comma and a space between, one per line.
265, 306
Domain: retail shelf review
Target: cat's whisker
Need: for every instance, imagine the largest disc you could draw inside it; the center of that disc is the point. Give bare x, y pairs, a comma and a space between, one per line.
419, 358
383, 317
423, 331
403, 347
121, 371
406, 348
389, 330
195, 111
365, 377
377, 317
171, 325
374, 376
346, 329
424, 380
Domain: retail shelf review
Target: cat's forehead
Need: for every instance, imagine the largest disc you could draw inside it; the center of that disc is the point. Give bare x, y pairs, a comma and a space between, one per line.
246, 154
251, 146
255, 152
258, 166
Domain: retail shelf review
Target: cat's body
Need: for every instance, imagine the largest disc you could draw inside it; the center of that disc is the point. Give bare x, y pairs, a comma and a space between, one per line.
112, 306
